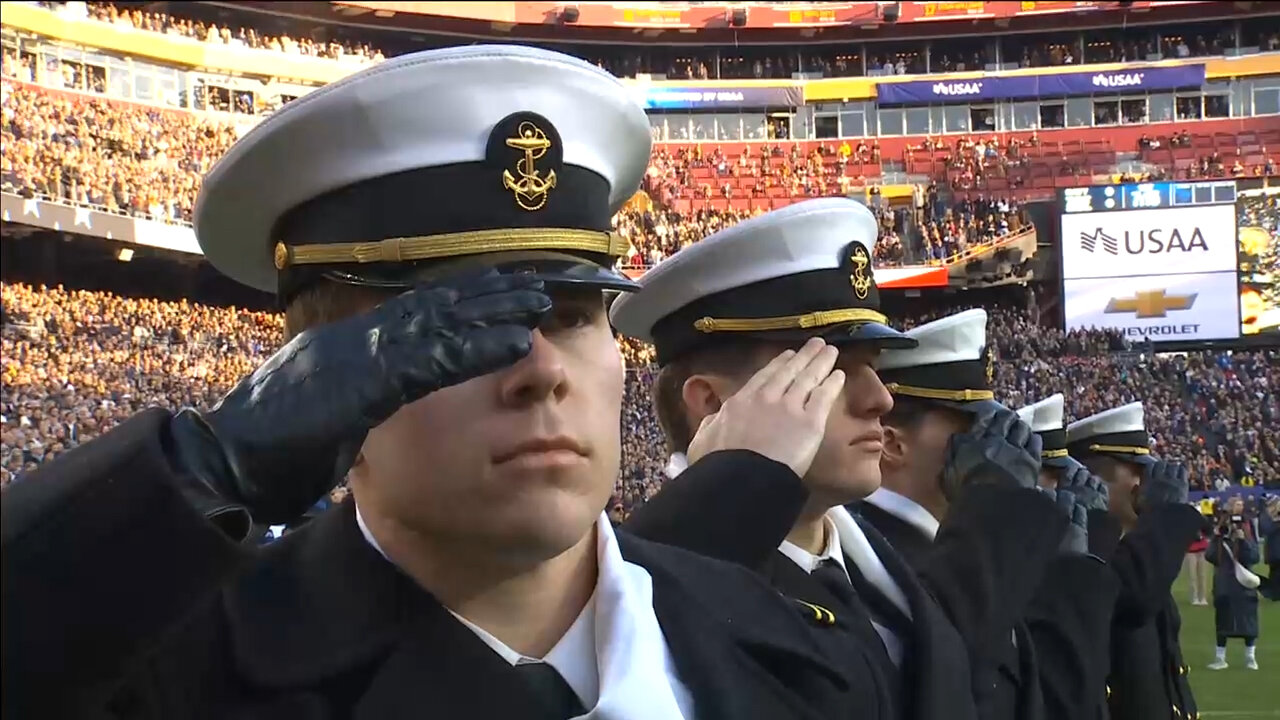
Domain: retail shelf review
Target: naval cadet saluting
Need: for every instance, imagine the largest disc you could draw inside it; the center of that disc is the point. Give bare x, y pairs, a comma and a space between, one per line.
942, 399
799, 281
439, 229
1148, 497
1069, 620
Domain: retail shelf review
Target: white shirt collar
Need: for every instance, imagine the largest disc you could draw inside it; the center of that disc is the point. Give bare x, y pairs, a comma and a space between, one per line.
677, 464
808, 561
844, 537
614, 656
573, 656
905, 509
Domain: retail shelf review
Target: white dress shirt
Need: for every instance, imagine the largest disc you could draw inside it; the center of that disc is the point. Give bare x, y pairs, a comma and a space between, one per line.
614, 655
905, 509
833, 550
843, 538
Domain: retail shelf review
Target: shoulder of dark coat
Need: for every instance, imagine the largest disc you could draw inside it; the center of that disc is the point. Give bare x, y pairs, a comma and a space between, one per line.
732, 593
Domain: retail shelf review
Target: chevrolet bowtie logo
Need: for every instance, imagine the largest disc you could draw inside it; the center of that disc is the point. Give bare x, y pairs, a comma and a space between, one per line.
1151, 304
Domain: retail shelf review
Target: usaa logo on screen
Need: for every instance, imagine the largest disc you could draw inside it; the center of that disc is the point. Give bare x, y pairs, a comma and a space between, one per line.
1144, 242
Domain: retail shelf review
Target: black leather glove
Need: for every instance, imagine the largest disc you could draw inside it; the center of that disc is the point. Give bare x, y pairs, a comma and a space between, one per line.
999, 449
1088, 488
1163, 483
285, 435
1075, 541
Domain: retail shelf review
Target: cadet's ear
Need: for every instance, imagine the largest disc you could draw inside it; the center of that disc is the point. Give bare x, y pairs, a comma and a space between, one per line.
703, 394
895, 448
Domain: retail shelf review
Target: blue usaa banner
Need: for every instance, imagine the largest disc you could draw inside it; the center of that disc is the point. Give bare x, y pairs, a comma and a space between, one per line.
919, 92
718, 97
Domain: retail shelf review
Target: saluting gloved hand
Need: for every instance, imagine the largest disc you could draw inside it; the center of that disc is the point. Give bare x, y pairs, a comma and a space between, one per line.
1075, 541
285, 435
1000, 449
1163, 483
1088, 488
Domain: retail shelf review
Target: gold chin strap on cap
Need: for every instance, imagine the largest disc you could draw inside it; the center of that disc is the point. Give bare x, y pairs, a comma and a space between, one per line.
1127, 449
820, 318
1053, 453
939, 394
433, 247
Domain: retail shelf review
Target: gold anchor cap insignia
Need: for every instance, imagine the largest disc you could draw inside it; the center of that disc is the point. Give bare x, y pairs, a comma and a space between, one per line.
528, 149
860, 278
991, 365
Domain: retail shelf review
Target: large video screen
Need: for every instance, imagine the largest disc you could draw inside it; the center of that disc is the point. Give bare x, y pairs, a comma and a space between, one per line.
1156, 261
1258, 218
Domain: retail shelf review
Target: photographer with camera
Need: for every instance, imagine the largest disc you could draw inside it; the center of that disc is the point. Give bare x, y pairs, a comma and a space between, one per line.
1233, 550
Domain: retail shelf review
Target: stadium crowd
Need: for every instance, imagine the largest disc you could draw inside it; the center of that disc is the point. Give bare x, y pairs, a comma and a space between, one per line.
146, 162
1136, 44
122, 158
77, 362
213, 33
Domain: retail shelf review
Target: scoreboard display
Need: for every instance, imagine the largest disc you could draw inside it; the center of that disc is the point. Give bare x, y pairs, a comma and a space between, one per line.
1156, 261
1147, 196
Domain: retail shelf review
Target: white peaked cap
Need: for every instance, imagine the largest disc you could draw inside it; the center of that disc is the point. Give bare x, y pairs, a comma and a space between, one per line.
1045, 418
427, 110
803, 269
952, 364
950, 339
1124, 419
1119, 432
1045, 415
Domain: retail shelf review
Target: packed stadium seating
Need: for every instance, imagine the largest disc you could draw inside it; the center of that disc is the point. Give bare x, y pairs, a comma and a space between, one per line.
147, 162
76, 362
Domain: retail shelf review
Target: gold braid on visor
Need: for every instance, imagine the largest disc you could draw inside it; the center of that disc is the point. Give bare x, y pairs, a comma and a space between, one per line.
432, 247
1129, 449
937, 394
820, 318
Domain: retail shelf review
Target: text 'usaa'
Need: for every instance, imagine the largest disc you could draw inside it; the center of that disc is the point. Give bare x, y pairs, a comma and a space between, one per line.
1156, 241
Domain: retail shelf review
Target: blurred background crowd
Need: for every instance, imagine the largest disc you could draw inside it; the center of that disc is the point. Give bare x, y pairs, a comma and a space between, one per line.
76, 362
689, 64
147, 162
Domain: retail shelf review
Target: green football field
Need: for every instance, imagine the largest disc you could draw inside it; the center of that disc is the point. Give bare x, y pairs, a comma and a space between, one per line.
1234, 693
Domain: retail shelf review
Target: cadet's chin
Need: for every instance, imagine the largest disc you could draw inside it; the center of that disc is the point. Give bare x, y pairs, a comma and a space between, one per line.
857, 481
866, 478
548, 520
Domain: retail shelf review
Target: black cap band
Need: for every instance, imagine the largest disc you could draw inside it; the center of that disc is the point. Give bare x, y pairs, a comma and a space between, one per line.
960, 381
1053, 442
1135, 442
522, 187
833, 302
